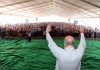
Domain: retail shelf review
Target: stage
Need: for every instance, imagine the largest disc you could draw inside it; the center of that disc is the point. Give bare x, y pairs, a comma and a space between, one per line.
19, 54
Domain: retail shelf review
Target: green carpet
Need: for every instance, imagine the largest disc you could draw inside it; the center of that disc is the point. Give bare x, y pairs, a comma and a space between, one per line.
19, 54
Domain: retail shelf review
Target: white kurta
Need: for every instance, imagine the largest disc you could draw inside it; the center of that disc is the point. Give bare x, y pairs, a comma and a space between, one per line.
68, 58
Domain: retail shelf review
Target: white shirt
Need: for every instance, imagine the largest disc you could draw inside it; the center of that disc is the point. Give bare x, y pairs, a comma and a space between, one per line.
68, 58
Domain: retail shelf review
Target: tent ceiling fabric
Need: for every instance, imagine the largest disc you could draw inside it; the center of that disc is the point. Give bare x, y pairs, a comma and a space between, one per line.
40, 8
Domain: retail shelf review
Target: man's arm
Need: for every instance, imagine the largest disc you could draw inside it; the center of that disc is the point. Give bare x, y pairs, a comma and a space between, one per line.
82, 44
57, 51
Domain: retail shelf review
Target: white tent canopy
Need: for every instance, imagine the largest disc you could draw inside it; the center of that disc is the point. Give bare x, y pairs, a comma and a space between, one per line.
67, 9
40, 8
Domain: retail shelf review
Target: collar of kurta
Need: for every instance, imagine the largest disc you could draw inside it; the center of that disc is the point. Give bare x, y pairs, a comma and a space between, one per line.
70, 47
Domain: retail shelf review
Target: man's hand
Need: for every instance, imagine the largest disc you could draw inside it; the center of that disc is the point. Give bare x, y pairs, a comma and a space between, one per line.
81, 30
48, 29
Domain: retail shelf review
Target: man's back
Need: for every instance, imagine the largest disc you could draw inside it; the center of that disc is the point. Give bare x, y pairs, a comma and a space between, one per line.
69, 60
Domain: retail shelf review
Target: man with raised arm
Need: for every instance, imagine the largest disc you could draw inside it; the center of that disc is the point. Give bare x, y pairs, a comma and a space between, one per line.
68, 58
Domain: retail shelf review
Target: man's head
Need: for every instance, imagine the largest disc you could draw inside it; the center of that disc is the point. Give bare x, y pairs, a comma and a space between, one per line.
68, 41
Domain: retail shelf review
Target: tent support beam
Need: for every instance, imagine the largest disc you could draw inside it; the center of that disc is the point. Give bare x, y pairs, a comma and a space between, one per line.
91, 3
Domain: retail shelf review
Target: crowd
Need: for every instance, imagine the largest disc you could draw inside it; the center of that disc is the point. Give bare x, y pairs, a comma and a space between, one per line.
59, 29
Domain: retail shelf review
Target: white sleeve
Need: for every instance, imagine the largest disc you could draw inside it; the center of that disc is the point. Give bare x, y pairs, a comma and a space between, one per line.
82, 45
57, 51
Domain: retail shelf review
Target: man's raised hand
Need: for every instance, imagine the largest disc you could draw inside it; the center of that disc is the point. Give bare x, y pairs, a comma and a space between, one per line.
48, 29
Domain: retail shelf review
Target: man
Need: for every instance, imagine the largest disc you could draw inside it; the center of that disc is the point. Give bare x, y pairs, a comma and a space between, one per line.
67, 58
29, 36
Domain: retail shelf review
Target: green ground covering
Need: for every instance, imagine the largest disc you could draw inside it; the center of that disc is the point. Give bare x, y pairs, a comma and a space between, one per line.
19, 54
